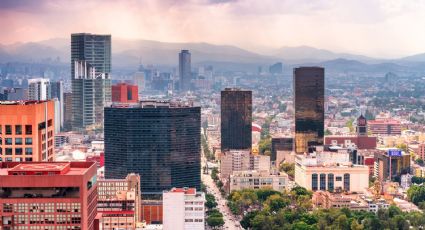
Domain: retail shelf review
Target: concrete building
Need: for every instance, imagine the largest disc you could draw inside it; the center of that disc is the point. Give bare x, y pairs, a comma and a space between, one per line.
152, 212
47, 195
27, 131
119, 202
331, 174
385, 126
125, 93
67, 112
253, 179
399, 165
309, 99
57, 91
281, 144
184, 209
234, 160
39, 89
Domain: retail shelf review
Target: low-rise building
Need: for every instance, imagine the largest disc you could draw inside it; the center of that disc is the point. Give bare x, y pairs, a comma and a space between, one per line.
253, 179
183, 209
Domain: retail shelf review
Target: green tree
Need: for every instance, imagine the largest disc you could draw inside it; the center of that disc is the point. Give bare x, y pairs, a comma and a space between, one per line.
265, 145
288, 168
210, 201
215, 221
246, 220
416, 193
275, 202
356, 226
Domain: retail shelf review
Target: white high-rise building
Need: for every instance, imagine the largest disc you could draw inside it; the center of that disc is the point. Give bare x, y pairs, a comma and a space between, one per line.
183, 209
38, 89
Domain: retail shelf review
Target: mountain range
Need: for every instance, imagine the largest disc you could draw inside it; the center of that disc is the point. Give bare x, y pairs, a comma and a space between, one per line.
128, 54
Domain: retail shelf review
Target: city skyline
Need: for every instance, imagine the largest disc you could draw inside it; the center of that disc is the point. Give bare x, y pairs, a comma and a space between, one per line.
375, 28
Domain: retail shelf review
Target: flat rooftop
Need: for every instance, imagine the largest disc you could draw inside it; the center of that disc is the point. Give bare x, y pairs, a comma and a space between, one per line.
154, 104
21, 102
184, 190
44, 168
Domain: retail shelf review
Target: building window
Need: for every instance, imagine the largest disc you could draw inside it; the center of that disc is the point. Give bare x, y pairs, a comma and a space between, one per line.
331, 182
347, 182
18, 151
49, 123
8, 151
28, 159
0, 129
28, 141
8, 141
18, 141
28, 129
1, 141
314, 182
322, 181
18, 129
8, 130
28, 151
338, 178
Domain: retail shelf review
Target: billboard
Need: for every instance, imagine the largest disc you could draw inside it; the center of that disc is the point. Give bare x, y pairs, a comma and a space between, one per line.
394, 152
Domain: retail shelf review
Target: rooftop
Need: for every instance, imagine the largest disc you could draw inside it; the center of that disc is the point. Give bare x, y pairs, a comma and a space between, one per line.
21, 102
154, 104
191, 191
44, 168
385, 121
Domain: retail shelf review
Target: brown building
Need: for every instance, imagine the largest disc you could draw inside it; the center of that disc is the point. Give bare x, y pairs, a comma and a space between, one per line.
384, 127
125, 93
309, 98
47, 195
26, 131
152, 211
119, 202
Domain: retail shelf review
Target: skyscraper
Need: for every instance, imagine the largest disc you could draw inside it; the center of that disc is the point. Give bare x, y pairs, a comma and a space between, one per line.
185, 73
91, 83
236, 119
158, 140
39, 89
57, 92
309, 93
125, 93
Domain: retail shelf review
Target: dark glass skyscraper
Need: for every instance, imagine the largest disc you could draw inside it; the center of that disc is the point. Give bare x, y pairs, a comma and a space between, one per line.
236, 119
185, 72
158, 140
91, 83
309, 94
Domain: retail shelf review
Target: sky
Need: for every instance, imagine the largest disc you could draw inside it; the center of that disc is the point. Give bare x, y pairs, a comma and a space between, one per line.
377, 28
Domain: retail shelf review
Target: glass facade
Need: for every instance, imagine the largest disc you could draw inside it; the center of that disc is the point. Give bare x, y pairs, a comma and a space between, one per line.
331, 182
322, 181
236, 119
160, 143
346, 182
314, 180
309, 92
185, 72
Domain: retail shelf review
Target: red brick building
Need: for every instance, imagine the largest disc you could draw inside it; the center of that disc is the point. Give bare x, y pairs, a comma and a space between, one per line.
125, 93
26, 131
152, 211
47, 195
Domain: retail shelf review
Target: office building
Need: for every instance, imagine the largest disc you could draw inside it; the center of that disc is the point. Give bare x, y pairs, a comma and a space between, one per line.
330, 171
125, 93
47, 195
67, 111
281, 144
119, 202
39, 89
384, 127
57, 92
389, 168
90, 94
234, 160
257, 179
27, 131
184, 209
158, 140
185, 71
236, 119
276, 68
91, 80
309, 94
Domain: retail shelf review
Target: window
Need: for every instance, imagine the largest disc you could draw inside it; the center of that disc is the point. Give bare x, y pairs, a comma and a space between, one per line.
8, 151
322, 181
18, 129
28, 129
347, 182
331, 182
338, 178
28, 151
314, 181
18, 151
28, 141
1, 151
49, 123
9, 159
8, 141
28, 159
8, 130
1, 141
18, 141
0, 129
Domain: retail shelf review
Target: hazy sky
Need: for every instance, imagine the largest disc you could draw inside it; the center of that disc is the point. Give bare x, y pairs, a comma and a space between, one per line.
380, 28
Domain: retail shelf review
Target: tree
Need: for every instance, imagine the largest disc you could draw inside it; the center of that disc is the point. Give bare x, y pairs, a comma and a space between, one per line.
328, 132
210, 203
356, 226
265, 145
288, 168
420, 161
275, 202
300, 191
214, 175
215, 221
416, 193
246, 220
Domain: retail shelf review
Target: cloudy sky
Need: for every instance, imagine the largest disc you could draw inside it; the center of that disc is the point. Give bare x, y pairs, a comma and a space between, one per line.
379, 28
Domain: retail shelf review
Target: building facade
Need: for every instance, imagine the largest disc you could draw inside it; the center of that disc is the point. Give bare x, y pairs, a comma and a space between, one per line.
184, 209
27, 131
384, 165
253, 179
236, 119
39, 89
57, 91
47, 195
281, 144
384, 127
185, 70
119, 202
309, 92
158, 140
67, 112
91, 81
125, 93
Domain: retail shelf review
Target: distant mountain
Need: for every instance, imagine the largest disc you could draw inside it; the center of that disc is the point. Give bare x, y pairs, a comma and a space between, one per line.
414, 58
311, 54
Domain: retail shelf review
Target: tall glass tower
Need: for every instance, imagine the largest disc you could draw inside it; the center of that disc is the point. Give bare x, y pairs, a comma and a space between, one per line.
309, 97
91, 82
185, 73
158, 140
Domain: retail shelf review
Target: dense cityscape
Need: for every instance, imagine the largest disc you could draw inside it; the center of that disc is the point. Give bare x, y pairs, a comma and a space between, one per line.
196, 136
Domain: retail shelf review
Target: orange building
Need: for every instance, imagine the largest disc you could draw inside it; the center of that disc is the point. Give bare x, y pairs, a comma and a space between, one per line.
26, 131
125, 93
48, 195
152, 211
